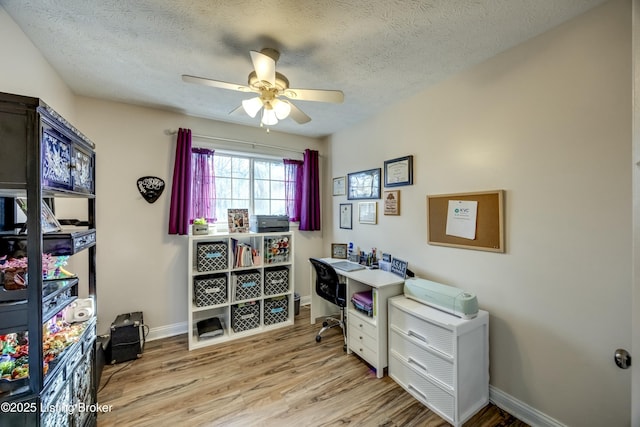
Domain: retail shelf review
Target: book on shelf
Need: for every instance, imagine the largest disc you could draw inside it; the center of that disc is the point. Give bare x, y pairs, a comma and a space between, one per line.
244, 254
209, 328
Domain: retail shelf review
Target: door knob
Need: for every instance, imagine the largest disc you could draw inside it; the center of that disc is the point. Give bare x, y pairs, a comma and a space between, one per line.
622, 358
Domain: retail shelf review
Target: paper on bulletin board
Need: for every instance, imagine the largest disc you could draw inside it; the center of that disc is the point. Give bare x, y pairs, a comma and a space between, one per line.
461, 218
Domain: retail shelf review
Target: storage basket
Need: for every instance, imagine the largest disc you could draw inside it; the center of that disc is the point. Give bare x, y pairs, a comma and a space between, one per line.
212, 256
247, 285
210, 290
245, 316
276, 310
276, 280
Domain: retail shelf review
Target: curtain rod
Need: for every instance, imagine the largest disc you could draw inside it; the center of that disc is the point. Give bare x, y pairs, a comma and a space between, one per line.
239, 141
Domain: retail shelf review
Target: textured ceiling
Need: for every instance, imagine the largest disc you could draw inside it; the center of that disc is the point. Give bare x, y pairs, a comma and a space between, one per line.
376, 51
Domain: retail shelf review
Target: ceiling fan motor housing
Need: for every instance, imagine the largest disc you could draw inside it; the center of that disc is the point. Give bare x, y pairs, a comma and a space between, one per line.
281, 83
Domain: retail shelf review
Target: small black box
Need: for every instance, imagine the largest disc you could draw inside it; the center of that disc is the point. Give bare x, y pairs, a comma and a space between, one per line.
127, 337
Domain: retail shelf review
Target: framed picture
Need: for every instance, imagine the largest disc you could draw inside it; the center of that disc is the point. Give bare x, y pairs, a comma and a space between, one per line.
238, 220
392, 202
339, 186
398, 171
48, 222
364, 184
339, 250
368, 212
346, 215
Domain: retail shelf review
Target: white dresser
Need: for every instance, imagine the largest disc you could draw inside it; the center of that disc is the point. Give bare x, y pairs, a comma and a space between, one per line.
440, 359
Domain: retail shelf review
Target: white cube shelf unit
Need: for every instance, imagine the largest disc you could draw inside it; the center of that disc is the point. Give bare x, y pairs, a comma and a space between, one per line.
243, 279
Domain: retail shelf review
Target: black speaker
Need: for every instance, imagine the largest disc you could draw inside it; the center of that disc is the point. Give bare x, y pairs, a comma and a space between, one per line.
127, 338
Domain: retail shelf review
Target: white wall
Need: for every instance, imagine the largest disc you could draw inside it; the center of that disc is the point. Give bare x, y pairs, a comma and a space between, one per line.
549, 122
140, 267
24, 70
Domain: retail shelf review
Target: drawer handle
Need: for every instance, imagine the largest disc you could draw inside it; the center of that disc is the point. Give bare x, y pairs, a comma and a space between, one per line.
418, 364
424, 396
418, 336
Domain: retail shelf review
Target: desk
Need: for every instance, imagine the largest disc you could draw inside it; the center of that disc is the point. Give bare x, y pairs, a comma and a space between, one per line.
366, 336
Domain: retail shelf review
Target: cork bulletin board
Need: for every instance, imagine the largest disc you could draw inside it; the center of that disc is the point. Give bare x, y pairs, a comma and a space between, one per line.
489, 231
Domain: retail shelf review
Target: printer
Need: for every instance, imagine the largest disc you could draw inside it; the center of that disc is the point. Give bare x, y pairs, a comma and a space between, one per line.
268, 223
443, 297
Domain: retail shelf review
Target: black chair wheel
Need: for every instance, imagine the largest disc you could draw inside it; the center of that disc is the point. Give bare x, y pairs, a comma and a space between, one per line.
325, 324
318, 338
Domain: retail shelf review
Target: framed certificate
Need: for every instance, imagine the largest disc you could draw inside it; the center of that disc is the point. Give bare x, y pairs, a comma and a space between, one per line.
368, 212
392, 202
339, 186
398, 171
346, 215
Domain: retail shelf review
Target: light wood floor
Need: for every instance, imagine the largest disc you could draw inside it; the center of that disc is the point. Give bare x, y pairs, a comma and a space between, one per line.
280, 378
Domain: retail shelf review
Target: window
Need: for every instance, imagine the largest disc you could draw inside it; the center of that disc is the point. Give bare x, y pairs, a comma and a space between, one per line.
248, 182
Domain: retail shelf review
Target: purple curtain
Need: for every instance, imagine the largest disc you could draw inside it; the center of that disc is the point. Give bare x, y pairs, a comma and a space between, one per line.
293, 188
181, 188
203, 185
310, 210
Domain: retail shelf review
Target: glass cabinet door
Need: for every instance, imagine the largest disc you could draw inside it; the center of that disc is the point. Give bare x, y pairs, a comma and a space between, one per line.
83, 171
56, 160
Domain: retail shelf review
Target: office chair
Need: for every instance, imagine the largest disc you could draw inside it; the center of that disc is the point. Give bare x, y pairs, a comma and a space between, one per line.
328, 286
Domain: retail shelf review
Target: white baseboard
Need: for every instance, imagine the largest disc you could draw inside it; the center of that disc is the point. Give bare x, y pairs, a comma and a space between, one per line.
167, 331
181, 328
521, 410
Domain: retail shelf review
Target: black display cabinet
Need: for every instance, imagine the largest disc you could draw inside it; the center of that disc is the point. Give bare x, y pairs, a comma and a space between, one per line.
43, 158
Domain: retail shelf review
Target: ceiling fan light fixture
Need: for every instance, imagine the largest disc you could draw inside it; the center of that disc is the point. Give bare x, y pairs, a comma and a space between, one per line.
270, 86
282, 109
269, 117
252, 106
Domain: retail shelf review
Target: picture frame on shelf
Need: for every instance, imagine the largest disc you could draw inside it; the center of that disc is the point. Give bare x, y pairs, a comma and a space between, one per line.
398, 172
391, 202
346, 216
339, 186
238, 220
49, 222
364, 184
368, 212
339, 250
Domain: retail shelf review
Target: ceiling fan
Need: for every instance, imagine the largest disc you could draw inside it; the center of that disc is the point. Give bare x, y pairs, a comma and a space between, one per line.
271, 87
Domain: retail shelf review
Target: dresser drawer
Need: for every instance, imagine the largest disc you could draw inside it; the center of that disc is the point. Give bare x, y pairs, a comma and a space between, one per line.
363, 348
431, 334
427, 392
358, 324
423, 359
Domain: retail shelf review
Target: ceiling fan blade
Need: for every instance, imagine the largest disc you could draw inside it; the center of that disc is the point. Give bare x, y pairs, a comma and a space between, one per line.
216, 83
237, 111
321, 95
298, 115
265, 67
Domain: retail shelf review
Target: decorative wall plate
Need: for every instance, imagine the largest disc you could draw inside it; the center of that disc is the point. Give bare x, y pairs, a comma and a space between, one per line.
150, 187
